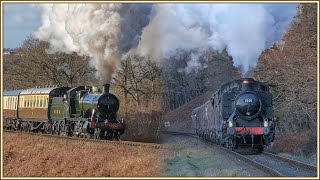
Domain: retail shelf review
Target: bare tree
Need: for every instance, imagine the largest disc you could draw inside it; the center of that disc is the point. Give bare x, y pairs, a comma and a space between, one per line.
290, 68
33, 66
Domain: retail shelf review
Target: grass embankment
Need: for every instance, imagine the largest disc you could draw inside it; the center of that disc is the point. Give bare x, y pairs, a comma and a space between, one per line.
35, 156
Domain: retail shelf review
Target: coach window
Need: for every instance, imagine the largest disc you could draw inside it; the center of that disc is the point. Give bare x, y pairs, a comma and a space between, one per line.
12, 103
33, 101
37, 97
8, 103
45, 102
40, 101
15, 102
29, 101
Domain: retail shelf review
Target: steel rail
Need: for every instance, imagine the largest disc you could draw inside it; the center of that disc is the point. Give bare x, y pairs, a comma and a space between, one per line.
291, 161
180, 133
253, 163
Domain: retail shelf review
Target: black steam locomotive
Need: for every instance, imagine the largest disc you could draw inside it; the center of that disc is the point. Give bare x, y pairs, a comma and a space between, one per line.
80, 111
238, 116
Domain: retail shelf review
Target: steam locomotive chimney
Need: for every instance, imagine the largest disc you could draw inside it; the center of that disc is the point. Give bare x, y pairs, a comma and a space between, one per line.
106, 88
247, 84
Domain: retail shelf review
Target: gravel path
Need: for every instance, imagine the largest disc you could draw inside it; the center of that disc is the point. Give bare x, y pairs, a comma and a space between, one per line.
189, 156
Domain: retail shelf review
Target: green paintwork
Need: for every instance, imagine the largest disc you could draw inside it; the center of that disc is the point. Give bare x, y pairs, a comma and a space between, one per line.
59, 108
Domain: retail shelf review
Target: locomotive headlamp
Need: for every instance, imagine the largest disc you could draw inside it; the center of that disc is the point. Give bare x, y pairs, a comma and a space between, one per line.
265, 123
230, 124
247, 80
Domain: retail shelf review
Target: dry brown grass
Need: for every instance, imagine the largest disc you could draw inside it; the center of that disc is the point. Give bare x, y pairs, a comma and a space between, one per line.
301, 143
35, 156
143, 127
143, 122
180, 118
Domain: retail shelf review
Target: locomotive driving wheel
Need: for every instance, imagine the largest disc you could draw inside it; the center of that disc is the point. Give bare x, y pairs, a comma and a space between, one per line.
230, 143
116, 135
55, 128
109, 134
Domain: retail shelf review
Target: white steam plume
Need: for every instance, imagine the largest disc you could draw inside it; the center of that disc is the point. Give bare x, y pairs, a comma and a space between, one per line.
107, 31
244, 30
101, 31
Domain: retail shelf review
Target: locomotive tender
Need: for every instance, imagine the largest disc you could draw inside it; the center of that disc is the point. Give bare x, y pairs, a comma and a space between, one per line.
80, 111
237, 116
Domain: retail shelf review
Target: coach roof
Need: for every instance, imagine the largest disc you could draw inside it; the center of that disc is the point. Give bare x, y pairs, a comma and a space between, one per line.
46, 90
11, 92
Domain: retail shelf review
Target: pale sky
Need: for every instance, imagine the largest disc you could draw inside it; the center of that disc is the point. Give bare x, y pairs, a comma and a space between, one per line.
19, 22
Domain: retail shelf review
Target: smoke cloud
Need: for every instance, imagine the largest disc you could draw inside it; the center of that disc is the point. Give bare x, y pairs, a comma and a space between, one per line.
101, 31
105, 32
244, 30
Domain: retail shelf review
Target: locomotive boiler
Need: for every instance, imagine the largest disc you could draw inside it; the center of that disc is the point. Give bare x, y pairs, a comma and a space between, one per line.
237, 116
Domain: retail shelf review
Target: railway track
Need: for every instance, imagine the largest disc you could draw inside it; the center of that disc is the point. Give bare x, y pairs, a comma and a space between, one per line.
271, 164
180, 133
285, 166
126, 143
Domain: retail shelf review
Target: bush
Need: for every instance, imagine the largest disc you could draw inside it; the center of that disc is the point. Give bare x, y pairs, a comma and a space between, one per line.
143, 126
301, 143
